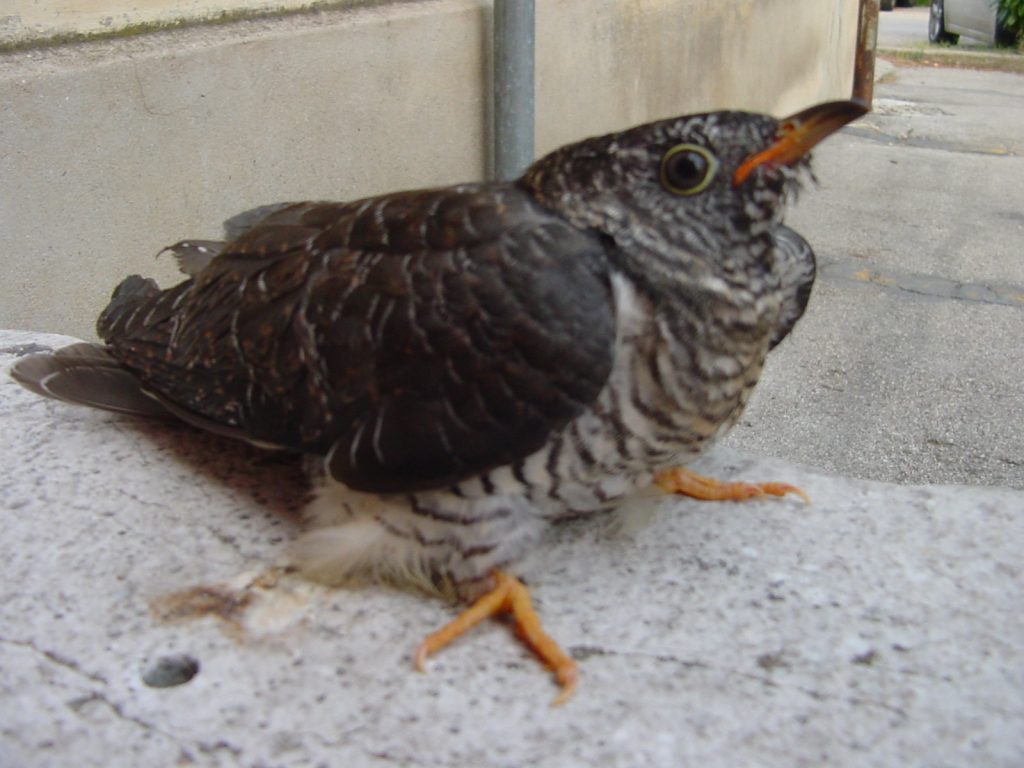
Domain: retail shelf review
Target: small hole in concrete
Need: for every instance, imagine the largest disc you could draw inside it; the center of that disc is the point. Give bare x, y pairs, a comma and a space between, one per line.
168, 671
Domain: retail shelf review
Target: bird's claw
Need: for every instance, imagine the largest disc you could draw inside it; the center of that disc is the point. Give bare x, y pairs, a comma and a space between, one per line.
509, 595
682, 481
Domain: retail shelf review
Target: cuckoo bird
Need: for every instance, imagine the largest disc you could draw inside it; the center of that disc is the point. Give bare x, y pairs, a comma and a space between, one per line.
467, 365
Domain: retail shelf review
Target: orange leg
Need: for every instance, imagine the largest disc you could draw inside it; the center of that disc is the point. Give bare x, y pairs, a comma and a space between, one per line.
509, 595
683, 481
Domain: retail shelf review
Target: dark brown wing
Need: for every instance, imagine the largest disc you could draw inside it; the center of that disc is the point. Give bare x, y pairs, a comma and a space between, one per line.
415, 339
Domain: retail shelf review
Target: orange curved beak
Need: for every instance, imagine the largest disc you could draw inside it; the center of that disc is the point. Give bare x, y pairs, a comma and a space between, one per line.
799, 132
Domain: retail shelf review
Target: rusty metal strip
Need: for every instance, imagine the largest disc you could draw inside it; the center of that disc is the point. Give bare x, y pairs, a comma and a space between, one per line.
864, 61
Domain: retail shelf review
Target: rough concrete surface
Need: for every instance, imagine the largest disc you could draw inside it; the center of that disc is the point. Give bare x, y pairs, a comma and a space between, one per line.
880, 625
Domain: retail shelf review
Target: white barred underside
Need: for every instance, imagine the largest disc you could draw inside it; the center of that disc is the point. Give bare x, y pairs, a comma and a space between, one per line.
670, 393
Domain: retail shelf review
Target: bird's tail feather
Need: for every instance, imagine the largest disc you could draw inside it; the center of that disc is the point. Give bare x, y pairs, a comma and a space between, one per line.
86, 374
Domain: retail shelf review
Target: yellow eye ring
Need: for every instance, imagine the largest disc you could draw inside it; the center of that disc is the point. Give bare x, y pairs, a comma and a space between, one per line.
687, 169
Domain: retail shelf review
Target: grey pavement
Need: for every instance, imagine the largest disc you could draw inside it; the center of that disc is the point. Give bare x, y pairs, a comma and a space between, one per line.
907, 366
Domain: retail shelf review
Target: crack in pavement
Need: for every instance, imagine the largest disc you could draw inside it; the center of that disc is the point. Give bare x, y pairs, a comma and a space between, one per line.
56, 658
92, 695
877, 134
929, 286
204, 747
582, 652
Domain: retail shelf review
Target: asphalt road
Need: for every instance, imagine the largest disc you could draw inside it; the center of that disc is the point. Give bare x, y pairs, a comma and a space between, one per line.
902, 27
909, 364
908, 27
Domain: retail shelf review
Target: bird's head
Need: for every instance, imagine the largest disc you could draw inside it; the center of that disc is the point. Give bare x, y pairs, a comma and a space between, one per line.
692, 190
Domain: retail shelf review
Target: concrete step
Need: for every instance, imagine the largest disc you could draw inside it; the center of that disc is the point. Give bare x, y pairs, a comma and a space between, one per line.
880, 625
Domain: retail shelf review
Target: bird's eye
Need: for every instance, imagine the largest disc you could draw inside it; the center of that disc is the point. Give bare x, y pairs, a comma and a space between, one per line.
687, 169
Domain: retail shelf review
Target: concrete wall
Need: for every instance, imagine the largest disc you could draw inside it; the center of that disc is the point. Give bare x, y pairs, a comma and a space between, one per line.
26, 21
110, 150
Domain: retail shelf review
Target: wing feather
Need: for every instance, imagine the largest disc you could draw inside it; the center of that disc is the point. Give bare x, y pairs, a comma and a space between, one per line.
415, 339
798, 267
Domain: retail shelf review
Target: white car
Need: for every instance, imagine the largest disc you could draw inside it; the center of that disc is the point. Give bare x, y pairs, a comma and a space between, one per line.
949, 19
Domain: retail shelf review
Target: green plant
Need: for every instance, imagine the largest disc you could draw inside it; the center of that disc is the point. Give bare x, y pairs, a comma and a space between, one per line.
1011, 17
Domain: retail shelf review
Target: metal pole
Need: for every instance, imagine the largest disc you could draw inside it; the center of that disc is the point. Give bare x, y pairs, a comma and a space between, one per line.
513, 87
864, 63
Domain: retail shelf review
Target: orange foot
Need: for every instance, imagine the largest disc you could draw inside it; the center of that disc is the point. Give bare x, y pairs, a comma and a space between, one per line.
687, 483
509, 595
